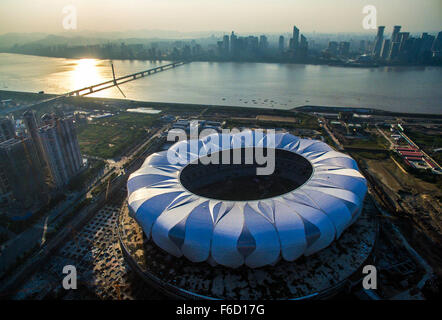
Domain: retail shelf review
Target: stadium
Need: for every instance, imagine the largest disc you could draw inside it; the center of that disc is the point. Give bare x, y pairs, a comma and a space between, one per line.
224, 216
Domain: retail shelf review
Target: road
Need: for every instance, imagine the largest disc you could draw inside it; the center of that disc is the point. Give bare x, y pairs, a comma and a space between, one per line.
331, 135
392, 144
125, 159
35, 234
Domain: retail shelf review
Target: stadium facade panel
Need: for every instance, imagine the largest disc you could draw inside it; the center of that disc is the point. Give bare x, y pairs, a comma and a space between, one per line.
254, 233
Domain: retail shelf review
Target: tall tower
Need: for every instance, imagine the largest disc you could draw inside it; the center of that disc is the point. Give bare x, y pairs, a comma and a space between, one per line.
233, 43
437, 44
295, 42
281, 43
32, 128
378, 41
69, 144
394, 51
61, 147
263, 44
394, 35
385, 52
226, 44
303, 46
344, 48
52, 147
402, 39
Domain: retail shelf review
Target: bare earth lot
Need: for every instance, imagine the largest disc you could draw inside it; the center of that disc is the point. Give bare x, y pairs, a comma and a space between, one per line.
418, 204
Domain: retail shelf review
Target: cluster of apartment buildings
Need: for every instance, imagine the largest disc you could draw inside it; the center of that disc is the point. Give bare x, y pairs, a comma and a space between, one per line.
42, 158
402, 46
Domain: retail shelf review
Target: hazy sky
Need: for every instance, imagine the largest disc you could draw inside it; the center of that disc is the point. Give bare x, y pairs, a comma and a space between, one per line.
219, 15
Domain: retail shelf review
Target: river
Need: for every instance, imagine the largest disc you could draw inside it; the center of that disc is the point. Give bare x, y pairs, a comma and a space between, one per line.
281, 86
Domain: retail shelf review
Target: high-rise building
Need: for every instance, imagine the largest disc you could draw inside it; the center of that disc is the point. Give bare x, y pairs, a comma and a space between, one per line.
5, 189
70, 147
303, 47
263, 43
233, 44
52, 147
394, 35
344, 48
251, 44
402, 39
295, 39
226, 44
332, 48
56, 145
362, 46
281, 44
385, 52
32, 127
220, 47
426, 42
437, 44
7, 129
21, 177
414, 52
61, 149
378, 41
394, 51
186, 52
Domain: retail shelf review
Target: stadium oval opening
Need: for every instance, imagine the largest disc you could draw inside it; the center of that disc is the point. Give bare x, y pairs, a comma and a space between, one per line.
232, 174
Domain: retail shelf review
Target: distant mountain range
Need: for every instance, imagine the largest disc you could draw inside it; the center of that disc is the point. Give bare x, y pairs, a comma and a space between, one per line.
92, 37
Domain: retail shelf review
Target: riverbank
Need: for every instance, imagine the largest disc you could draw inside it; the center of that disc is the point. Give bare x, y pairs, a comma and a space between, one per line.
112, 104
314, 61
366, 111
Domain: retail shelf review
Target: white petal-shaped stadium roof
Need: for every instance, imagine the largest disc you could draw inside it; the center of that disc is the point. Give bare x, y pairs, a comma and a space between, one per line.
253, 233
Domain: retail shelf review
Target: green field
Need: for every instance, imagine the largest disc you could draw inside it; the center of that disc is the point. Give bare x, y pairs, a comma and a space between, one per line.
373, 142
303, 121
423, 139
111, 137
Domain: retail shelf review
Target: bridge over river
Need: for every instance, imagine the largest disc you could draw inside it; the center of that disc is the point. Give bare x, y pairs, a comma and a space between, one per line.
115, 82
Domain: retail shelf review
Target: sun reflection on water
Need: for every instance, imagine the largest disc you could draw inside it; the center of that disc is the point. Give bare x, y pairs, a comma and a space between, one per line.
87, 72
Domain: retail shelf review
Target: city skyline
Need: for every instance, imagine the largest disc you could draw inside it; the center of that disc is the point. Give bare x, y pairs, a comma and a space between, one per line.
322, 16
404, 48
